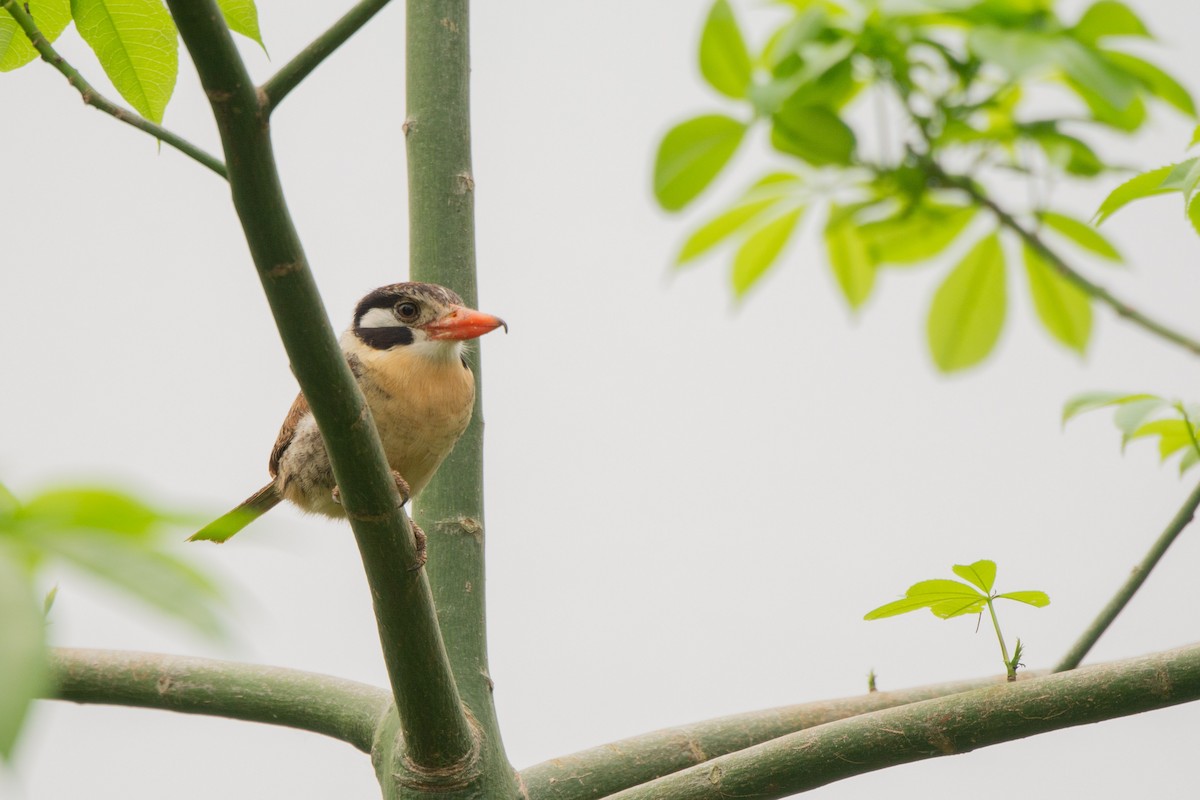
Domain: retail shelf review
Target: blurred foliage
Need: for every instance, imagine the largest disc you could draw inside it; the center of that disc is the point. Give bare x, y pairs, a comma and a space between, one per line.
112, 536
1174, 423
947, 599
956, 92
135, 42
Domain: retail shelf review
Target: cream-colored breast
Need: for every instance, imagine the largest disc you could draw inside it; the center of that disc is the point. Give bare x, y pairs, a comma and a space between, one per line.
421, 406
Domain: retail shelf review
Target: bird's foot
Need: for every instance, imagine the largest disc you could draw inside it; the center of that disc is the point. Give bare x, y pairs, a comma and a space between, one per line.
401, 487
422, 541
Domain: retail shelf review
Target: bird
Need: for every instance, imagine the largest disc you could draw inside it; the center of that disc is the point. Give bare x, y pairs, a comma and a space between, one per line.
405, 349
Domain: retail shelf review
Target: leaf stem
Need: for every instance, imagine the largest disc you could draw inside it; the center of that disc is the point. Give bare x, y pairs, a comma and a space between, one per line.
289, 76
98, 101
1031, 238
1134, 582
1009, 667
335, 707
951, 725
437, 736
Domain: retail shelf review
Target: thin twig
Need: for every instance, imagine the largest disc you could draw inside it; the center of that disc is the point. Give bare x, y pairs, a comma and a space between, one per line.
98, 101
343, 709
1136, 578
1007, 220
279, 85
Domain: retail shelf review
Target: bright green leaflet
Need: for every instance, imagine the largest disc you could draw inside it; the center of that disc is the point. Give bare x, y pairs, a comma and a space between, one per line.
968, 309
691, 155
761, 250
814, 133
724, 61
1081, 234
137, 45
1147, 184
1063, 308
915, 236
850, 260
51, 17
242, 17
1108, 18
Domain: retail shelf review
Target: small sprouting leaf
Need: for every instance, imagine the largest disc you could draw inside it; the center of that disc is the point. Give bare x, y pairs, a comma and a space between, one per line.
1064, 309
760, 197
51, 18
1108, 18
22, 650
814, 133
761, 249
1033, 598
137, 45
691, 155
48, 601
916, 235
850, 260
1090, 401
1155, 80
981, 573
945, 598
1081, 234
1147, 184
242, 17
724, 62
968, 309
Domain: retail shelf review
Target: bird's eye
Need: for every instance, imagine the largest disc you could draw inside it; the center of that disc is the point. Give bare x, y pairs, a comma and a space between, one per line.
407, 310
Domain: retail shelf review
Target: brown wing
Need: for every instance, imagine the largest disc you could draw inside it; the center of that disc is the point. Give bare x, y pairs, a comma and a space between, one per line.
299, 409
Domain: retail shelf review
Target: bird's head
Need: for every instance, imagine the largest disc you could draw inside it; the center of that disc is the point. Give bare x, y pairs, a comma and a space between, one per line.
424, 316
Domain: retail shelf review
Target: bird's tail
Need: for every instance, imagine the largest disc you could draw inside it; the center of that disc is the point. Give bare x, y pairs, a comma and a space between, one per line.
250, 509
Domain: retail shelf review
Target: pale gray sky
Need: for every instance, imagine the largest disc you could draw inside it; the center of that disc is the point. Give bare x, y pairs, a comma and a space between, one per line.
690, 506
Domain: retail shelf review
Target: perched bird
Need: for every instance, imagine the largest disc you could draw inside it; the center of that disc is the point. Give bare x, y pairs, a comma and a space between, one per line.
405, 349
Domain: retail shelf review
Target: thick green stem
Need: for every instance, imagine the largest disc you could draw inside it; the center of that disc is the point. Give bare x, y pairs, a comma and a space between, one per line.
98, 101
601, 771
292, 73
961, 723
437, 734
343, 709
442, 250
1136, 578
1035, 242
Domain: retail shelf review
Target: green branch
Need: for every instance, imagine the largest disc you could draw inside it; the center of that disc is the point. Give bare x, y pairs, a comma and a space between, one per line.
1136, 578
946, 726
1031, 238
98, 101
441, 208
342, 709
436, 734
292, 73
609, 768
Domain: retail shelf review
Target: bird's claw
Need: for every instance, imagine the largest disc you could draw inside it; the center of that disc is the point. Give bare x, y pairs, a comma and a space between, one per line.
422, 541
401, 487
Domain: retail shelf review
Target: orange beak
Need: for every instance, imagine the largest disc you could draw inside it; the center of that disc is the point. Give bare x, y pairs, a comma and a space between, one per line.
463, 323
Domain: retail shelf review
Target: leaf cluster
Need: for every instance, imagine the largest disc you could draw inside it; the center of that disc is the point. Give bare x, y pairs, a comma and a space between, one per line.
1174, 423
950, 81
135, 42
109, 535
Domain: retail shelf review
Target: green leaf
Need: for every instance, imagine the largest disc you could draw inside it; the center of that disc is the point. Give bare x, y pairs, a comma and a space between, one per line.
1147, 184
137, 45
1155, 80
1081, 234
691, 155
1173, 435
968, 309
945, 598
51, 18
814, 133
724, 62
168, 583
1131, 415
917, 234
760, 251
88, 507
1033, 598
23, 662
242, 17
1064, 309
765, 194
981, 574
1090, 401
1108, 91
850, 260
1108, 18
